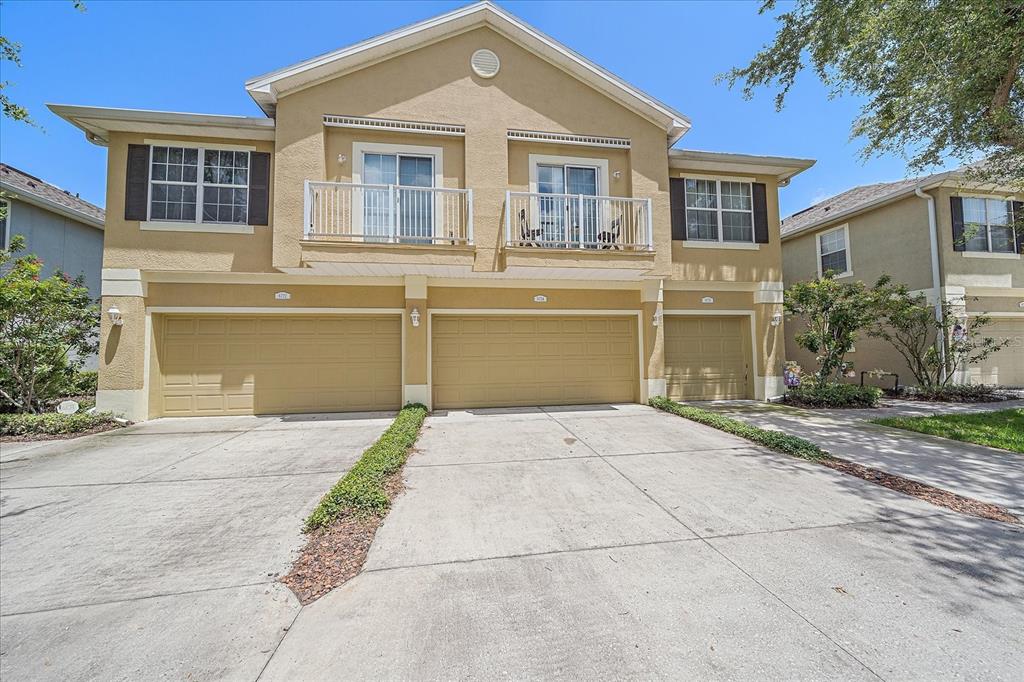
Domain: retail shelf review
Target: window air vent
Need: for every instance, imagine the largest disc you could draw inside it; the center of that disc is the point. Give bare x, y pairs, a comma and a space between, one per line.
485, 63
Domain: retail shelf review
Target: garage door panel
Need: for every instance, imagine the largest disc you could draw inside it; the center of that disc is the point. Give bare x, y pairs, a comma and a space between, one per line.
1005, 367
706, 358
278, 364
480, 361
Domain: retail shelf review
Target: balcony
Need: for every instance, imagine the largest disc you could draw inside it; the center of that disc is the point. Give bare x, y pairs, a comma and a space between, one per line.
578, 221
387, 214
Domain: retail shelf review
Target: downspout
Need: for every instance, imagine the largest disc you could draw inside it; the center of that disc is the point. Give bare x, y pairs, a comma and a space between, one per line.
933, 235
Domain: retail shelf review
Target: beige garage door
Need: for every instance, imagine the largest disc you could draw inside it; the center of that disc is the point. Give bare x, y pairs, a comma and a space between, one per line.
707, 358
241, 364
1007, 366
485, 361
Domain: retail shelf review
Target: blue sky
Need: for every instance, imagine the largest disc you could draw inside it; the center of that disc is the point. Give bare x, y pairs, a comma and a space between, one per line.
195, 56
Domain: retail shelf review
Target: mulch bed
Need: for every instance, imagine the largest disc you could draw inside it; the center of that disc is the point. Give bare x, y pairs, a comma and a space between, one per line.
931, 494
59, 436
334, 555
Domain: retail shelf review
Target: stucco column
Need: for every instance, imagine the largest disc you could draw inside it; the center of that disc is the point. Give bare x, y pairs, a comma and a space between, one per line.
415, 346
651, 320
487, 174
769, 332
124, 349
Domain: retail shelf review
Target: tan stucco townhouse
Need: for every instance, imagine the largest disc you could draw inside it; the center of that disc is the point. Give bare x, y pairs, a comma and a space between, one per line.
942, 235
463, 213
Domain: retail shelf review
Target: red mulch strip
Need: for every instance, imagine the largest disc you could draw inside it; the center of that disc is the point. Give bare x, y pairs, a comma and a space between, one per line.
60, 436
336, 554
936, 496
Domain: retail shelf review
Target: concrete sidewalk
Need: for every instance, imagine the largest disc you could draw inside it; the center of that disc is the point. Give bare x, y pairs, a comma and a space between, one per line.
983, 473
153, 552
618, 542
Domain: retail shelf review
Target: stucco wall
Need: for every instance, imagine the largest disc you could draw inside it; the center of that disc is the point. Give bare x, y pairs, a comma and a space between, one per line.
436, 84
127, 246
966, 269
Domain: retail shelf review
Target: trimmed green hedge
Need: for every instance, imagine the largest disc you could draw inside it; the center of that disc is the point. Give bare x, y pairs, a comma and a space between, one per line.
776, 440
953, 393
361, 490
833, 395
51, 423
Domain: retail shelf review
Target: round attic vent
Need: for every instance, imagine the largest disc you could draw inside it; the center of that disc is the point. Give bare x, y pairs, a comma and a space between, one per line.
485, 63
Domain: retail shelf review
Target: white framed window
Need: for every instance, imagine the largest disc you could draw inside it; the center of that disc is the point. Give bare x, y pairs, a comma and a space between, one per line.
414, 171
719, 210
989, 225
834, 251
198, 185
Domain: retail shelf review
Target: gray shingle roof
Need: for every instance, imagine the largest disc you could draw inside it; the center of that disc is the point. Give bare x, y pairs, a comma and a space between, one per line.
16, 181
851, 200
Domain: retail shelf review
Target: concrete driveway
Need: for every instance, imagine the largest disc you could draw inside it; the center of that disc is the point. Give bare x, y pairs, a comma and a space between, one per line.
620, 542
983, 473
153, 552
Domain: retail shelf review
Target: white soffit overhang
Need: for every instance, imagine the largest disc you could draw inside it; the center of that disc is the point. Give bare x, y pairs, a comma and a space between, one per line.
265, 89
782, 167
98, 122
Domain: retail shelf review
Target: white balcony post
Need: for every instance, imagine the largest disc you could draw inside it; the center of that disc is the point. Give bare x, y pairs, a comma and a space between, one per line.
469, 216
307, 211
650, 226
392, 213
579, 219
508, 218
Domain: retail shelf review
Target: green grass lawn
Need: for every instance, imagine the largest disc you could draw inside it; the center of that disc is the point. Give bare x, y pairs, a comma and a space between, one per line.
1003, 429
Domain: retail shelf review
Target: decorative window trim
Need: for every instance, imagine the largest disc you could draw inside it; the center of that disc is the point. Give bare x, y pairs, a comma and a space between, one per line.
601, 165
845, 227
197, 225
394, 125
720, 239
988, 252
563, 138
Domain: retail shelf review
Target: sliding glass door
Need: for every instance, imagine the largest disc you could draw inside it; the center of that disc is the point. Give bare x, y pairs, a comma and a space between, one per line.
564, 219
413, 209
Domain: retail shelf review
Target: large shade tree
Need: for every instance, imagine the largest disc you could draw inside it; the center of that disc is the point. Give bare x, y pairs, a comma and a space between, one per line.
941, 78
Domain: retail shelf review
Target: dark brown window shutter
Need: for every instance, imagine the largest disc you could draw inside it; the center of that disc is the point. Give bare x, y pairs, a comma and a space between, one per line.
760, 193
956, 209
677, 200
1018, 224
259, 188
136, 184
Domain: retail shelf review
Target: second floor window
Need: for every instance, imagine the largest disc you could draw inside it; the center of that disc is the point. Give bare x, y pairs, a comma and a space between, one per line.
189, 184
719, 210
833, 254
988, 225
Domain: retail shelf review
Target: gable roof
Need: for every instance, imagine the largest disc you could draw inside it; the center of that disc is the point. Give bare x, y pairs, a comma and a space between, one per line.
265, 89
857, 200
17, 184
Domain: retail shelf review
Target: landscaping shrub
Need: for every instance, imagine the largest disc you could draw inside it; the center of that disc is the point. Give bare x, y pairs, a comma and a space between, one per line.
813, 394
51, 423
83, 383
776, 440
361, 491
952, 393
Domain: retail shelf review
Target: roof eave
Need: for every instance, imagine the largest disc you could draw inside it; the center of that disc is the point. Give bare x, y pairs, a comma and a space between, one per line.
265, 89
784, 168
98, 122
19, 194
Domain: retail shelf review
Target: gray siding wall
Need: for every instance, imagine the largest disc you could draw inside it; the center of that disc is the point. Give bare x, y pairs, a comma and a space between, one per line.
62, 243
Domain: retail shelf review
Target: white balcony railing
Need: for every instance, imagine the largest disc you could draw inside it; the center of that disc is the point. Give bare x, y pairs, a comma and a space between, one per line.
578, 221
343, 211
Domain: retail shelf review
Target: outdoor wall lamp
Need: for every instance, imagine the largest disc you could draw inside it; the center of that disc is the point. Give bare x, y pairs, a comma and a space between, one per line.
115, 316
776, 319
415, 317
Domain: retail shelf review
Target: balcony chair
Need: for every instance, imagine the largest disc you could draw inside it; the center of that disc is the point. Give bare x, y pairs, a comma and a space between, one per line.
609, 238
528, 236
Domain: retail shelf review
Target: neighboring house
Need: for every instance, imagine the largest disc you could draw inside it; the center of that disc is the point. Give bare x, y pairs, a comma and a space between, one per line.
939, 235
66, 232
463, 213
